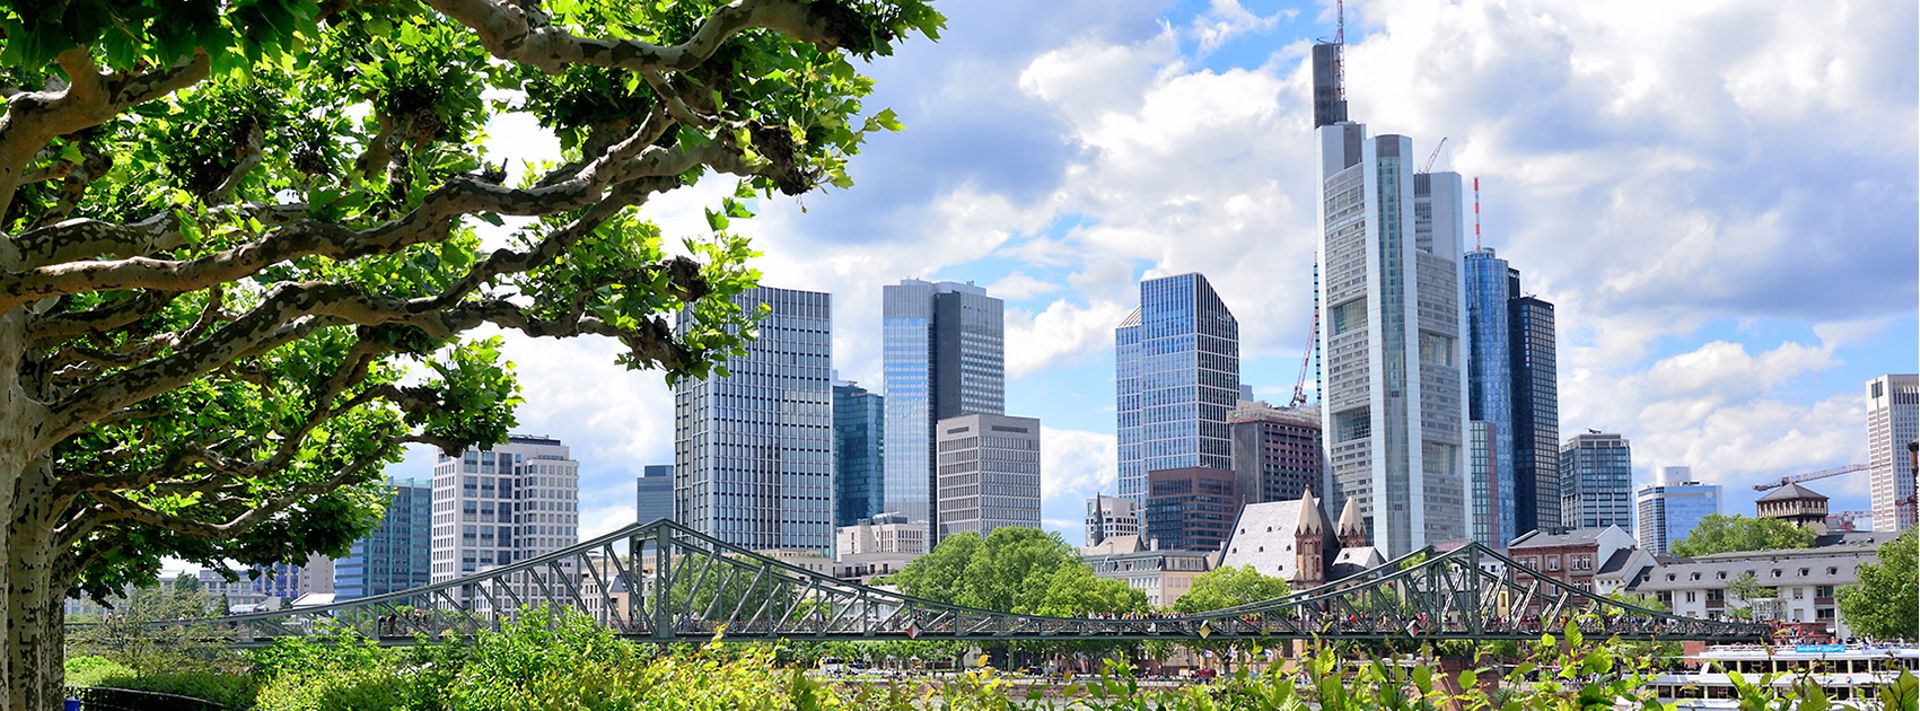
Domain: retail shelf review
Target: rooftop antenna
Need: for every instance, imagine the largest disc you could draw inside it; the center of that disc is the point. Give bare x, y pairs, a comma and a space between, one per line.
1476, 213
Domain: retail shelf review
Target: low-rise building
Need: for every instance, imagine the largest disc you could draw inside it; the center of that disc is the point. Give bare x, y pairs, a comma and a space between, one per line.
1801, 581
1573, 557
1795, 504
1109, 516
1162, 574
1289, 540
888, 533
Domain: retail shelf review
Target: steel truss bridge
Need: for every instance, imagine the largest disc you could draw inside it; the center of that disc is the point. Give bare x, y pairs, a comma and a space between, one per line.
664, 582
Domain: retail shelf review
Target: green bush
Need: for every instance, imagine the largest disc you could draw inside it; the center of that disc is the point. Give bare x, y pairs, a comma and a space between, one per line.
230, 690
90, 669
342, 689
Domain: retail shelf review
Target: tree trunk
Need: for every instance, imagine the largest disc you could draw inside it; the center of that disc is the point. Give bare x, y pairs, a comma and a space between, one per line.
35, 601
18, 427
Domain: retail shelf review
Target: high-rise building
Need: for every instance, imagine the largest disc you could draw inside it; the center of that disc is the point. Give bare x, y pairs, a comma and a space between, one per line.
1671, 507
1893, 421
1490, 386
1190, 508
943, 355
989, 474
1177, 364
859, 426
492, 507
1596, 482
289, 581
653, 493
753, 451
1393, 377
398, 553
1511, 387
1536, 412
1276, 452
1109, 517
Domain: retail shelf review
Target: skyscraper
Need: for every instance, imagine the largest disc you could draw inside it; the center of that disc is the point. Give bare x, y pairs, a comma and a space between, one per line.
753, 451
989, 469
1536, 412
942, 356
1177, 363
859, 419
1596, 482
1276, 452
1490, 395
492, 507
1393, 374
1190, 508
653, 493
1671, 507
1893, 420
398, 553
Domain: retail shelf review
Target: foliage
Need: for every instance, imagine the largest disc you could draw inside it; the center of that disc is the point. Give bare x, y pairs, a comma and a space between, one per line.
1747, 588
125, 637
1011, 570
228, 689
1721, 533
91, 669
1883, 604
1230, 586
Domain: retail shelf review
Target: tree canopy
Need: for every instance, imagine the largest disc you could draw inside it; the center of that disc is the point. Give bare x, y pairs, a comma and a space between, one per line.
1885, 603
1230, 586
1720, 533
246, 248
1019, 570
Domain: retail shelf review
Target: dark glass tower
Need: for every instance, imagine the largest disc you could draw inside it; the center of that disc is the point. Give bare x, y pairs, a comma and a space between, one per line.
1490, 396
859, 424
397, 554
1536, 412
1177, 369
943, 355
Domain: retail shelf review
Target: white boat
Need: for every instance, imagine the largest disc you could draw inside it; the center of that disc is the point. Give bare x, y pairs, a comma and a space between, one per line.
1848, 673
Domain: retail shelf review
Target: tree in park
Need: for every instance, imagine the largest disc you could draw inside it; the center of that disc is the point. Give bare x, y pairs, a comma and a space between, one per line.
229, 229
1885, 603
1720, 533
1229, 586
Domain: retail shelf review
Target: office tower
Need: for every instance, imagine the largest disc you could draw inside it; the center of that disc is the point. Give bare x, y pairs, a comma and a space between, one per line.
1276, 452
1393, 383
859, 419
1596, 481
753, 451
1329, 93
1893, 421
492, 507
989, 474
1671, 507
653, 493
289, 581
1536, 412
1490, 386
1177, 363
942, 356
1110, 516
398, 553
1190, 508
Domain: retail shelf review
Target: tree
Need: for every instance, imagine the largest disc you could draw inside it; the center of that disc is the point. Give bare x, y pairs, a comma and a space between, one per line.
1885, 603
1719, 533
1007, 571
1230, 586
241, 257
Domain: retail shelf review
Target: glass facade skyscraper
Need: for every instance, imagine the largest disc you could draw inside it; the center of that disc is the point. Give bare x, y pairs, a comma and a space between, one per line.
1536, 412
859, 425
1177, 370
653, 493
398, 553
943, 355
753, 451
1490, 387
1671, 507
1393, 376
1893, 420
1596, 482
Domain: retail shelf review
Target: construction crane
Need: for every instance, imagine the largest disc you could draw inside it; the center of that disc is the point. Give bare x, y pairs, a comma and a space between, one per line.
1811, 476
1306, 360
1435, 155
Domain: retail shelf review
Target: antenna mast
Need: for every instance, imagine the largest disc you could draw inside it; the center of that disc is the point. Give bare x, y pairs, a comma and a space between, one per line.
1340, 50
1476, 213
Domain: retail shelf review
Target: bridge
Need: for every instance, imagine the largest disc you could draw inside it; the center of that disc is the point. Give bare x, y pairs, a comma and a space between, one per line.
664, 582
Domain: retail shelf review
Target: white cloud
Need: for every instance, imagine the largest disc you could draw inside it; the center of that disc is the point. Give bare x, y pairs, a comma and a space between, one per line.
1227, 19
1075, 464
1020, 286
1035, 341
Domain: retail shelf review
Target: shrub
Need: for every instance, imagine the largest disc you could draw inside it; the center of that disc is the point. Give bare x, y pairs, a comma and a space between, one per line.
341, 689
90, 669
234, 691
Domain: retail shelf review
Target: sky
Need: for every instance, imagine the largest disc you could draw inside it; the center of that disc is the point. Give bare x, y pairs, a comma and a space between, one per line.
1718, 196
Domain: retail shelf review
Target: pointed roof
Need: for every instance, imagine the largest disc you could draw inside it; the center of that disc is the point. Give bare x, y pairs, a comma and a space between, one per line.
1791, 492
1350, 518
1311, 519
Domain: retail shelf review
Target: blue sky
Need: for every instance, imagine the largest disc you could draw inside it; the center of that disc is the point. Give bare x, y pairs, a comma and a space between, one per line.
1720, 198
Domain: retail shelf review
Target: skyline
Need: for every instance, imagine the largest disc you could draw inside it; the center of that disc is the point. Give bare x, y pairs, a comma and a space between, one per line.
1768, 290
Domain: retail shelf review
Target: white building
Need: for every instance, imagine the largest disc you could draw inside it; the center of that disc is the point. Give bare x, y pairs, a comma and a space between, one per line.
1290, 540
498, 506
753, 451
1803, 581
1109, 516
890, 533
1393, 377
1893, 420
989, 474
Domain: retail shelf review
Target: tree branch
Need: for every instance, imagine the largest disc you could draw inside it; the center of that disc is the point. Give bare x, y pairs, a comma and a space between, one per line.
126, 509
509, 33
